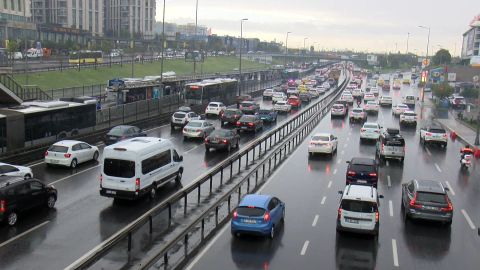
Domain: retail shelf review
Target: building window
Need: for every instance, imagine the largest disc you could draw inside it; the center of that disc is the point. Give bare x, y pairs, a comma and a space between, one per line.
80, 4
90, 4
74, 3
80, 19
19, 4
74, 17
96, 22
4, 4
12, 7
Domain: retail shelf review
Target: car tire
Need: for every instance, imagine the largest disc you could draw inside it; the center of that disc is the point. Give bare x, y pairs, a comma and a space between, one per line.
445, 145
229, 147
95, 156
27, 176
237, 144
51, 201
179, 175
73, 164
207, 149
172, 126
152, 191
185, 138
272, 232
283, 214
204, 136
12, 218
402, 159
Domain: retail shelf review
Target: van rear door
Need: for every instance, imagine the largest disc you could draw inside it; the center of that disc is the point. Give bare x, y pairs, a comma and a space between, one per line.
118, 174
394, 146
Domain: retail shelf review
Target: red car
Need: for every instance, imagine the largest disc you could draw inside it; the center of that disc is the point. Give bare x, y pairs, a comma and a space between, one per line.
386, 86
294, 101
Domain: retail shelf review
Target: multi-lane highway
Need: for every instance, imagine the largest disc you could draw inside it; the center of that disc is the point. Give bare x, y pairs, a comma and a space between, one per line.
82, 219
309, 187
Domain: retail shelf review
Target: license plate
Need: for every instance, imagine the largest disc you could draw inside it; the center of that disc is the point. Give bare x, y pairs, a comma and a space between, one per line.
431, 208
249, 221
112, 138
244, 127
361, 181
111, 192
351, 220
53, 161
178, 120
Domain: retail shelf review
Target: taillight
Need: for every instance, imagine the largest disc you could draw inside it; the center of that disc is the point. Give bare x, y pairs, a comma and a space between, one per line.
266, 216
383, 146
234, 214
376, 217
405, 101
333, 110
398, 109
101, 178
46, 153
343, 110
362, 130
377, 131
364, 106
206, 108
184, 129
67, 155
445, 135
250, 124
339, 212
217, 109
415, 117
351, 172
402, 116
403, 149
105, 136
450, 207
311, 143
361, 113
199, 130
123, 137
428, 133
224, 141
373, 174
412, 201
206, 139
350, 112
250, 106
241, 106
234, 116
2, 206
238, 122
137, 184
328, 144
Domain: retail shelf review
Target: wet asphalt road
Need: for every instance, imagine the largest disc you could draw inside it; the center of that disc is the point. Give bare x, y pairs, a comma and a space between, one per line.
309, 187
82, 219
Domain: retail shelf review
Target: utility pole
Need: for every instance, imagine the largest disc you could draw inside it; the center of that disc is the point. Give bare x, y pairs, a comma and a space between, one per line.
163, 45
408, 36
25, 40
240, 61
195, 39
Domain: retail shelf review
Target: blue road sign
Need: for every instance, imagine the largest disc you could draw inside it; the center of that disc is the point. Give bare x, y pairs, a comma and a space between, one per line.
115, 81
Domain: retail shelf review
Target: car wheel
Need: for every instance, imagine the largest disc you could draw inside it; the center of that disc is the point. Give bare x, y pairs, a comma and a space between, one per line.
51, 201
74, 163
229, 147
237, 144
95, 156
272, 232
172, 126
283, 214
152, 191
27, 176
445, 145
179, 175
12, 218
207, 149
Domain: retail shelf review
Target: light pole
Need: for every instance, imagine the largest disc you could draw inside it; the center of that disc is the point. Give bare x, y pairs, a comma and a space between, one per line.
477, 142
304, 48
195, 39
240, 61
286, 48
426, 57
163, 45
440, 55
408, 36
25, 36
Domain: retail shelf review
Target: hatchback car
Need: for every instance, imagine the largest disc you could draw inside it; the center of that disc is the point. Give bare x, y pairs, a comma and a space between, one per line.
249, 107
70, 153
314, 93
197, 129
408, 118
357, 93
322, 143
428, 200
17, 195
181, 118
242, 98
399, 109
305, 96
320, 90
362, 171
386, 85
357, 114
231, 116
385, 100
369, 96
326, 85
294, 101
282, 106
222, 139
371, 106
338, 110
268, 115
434, 134
250, 122
370, 130
268, 93
122, 132
15, 170
257, 214
278, 97
374, 90
216, 108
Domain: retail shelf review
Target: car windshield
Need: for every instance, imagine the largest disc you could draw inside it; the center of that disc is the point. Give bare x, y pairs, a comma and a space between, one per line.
431, 197
194, 124
321, 138
119, 168
359, 206
58, 149
117, 131
370, 126
250, 211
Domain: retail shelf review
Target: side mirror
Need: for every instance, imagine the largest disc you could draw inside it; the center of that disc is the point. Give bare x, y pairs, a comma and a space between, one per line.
340, 192
381, 197
447, 189
181, 158
348, 161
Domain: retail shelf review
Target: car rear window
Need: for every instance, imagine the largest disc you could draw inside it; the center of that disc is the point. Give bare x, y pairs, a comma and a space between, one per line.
321, 138
431, 197
370, 126
359, 206
437, 130
304, 94
249, 211
281, 103
357, 110
117, 131
248, 104
336, 106
394, 141
246, 118
278, 95
362, 168
212, 105
264, 111
227, 112
119, 168
58, 149
179, 115
218, 133
410, 97
194, 124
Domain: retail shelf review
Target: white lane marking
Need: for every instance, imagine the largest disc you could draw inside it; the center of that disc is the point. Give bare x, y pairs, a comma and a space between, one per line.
35, 164
60, 180
22, 234
340, 160
334, 172
349, 133
351, 128
468, 219
428, 152
450, 187
345, 145
171, 138
304, 249
438, 168
341, 153
323, 199
156, 128
390, 205
386, 163
193, 148
348, 139
330, 183
315, 221
388, 181
395, 255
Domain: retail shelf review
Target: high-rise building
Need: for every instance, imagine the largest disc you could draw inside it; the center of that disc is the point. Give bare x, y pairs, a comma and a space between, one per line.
12, 20
132, 16
79, 14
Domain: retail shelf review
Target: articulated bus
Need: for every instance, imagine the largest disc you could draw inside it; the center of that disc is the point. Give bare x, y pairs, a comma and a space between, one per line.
85, 57
210, 90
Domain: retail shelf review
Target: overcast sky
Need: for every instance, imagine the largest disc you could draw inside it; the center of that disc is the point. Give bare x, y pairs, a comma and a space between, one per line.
340, 24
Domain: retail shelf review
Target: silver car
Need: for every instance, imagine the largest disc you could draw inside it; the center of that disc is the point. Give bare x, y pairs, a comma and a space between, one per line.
279, 96
338, 110
197, 129
313, 93
357, 114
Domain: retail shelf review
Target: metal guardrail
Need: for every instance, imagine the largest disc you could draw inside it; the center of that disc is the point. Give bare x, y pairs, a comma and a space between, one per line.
27, 92
126, 234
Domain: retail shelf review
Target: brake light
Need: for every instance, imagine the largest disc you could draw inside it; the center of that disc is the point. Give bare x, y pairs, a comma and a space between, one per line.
364, 106
351, 172
184, 129
46, 153
402, 116
339, 212
343, 110
333, 110
2, 206
362, 130
238, 122
404, 149
405, 101
186, 119
206, 139
450, 207
67, 155
350, 112
123, 137
377, 131
224, 141
412, 201
105, 136
101, 178
445, 135
376, 217
383, 146
206, 108
361, 113
428, 133
234, 116
266, 216
199, 130
373, 174
328, 144
241, 106
234, 214
250, 124
398, 109
250, 106
137, 184
415, 117
311, 143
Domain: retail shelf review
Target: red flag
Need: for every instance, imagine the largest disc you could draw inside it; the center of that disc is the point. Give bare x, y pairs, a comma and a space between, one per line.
209, 31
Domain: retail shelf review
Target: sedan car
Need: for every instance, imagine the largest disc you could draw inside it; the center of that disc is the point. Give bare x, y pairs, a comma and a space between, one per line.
242, 98
362, 171
339, 110
399, 108
385, 100
268, 93
222, 139
347, 97
216, 108
15, 170
320, 90
322, 143
198, 129
305, 96
357, 114
357, 93
282, 106
326, 85
426, 199
249, 107
397, 86
369, 96
314, 93
267, 115
278, 97
231, 116
294, 101
371, 106
250, 122
370, 130
257, 214
70, 153
122, 132
374, 90
386, 86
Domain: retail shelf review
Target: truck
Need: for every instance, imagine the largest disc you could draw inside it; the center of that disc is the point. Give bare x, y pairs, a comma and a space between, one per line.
34, 53
357, 71
334, 74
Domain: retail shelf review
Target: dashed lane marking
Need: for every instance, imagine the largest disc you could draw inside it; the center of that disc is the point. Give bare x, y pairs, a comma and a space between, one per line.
334, 172
450, 187
468, 219
342, 152
22, 234
323, 199
315, 221
345, 145
386, 163
330, 183
438, 168
304, 249
390, 205
388, 181
394, 250
340, 160
428, 152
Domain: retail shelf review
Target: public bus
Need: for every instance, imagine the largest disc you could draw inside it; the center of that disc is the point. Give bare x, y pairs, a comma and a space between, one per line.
85, 57
210, 90
290, 74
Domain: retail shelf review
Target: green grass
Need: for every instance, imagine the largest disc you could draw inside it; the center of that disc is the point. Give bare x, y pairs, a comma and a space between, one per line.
472, 125
88, 76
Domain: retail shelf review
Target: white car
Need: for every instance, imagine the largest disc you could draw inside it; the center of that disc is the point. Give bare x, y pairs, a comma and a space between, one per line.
279, 96
70, 153
370, 130
320, 90
326, 85
15, 170
292, 91
322, 143
282, 106
357, 93
409, 100
369, 96
374, 90
347, 97
313, 93
371, 106
268, 93
434, 133
385, 100
408, 117
399, 108
369, 86
216, 108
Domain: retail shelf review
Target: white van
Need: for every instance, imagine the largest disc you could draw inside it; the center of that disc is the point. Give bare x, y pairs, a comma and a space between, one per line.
135, 167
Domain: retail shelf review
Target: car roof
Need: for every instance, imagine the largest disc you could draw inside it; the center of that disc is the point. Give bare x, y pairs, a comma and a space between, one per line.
360, 192
322, 134
196, 121
430, 186
372, 102
215, 102
401, 104
362, 161
6, 180
67, 142
257, 200
370, 123
248, 101
123, 126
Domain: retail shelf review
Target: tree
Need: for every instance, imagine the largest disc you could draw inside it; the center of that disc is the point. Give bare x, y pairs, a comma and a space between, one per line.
273, 48
442, 90
21, 45
392, 60
12, 47
215, 43
107, 46
442, 56
382, 61
260, 46
49, 44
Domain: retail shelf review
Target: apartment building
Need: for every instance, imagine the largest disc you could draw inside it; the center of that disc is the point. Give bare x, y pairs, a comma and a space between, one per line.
12, 20
133, 16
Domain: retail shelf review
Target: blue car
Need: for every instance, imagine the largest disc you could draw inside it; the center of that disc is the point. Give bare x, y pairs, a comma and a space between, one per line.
258, 215
267, 115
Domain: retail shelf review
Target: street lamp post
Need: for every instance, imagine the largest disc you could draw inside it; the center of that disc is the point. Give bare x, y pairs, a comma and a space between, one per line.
240, 61
477, 142
286, 48
163, 45
25, 36
195, 39
304, 48
408, 36
426, 57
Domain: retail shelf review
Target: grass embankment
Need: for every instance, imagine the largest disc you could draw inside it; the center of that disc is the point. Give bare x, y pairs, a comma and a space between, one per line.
88, 76
472, 124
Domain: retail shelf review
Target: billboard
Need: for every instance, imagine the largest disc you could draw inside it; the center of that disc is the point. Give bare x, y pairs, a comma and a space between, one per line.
194, 57
372, 59
470, 42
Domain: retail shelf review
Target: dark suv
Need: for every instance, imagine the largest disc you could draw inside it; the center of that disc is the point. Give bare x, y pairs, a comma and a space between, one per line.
18, 195
362, 171
231, 116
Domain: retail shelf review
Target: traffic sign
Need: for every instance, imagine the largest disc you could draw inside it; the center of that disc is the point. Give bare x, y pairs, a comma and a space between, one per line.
426, 62
435, 74
116, 80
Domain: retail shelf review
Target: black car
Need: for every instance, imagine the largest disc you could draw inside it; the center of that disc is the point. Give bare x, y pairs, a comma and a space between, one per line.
362, 171
222, 139
250, 122
122, 132
18, 195
231, 116
249, 106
